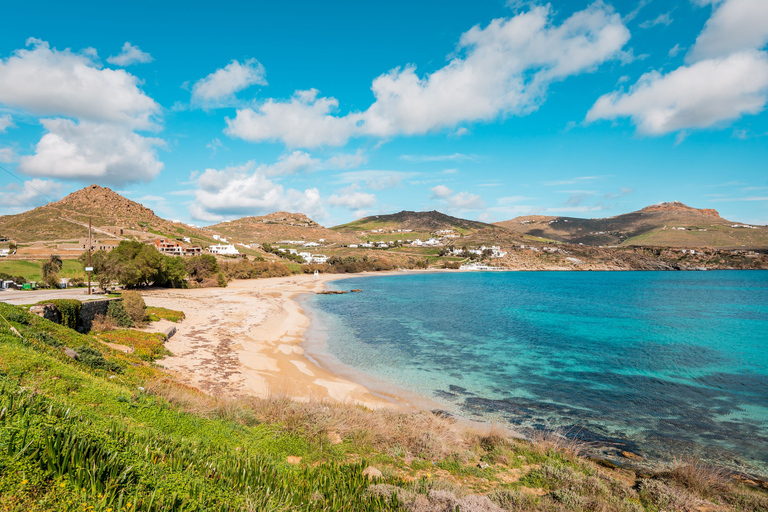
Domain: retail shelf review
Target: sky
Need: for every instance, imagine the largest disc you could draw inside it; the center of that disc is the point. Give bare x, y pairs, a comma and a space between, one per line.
486, 110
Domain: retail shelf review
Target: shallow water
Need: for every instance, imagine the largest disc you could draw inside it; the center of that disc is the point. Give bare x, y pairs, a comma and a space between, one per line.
664, 363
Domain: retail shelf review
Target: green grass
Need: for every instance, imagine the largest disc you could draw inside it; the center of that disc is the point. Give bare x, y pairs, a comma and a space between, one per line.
114, 433
156, 313
32, 270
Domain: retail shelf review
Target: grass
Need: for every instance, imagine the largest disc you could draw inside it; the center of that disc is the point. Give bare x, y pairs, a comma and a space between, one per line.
156, 313
147, 346
77, 436
32, 270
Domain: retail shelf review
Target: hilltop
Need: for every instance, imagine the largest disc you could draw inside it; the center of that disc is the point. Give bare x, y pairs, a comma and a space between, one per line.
112, 216
415, 221
279, 226
671, 224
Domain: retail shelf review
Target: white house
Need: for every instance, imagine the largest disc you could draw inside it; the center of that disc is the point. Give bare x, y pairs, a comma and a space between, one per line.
319, 258
187, 239
353, 246
311, 244
224, 250
216, 237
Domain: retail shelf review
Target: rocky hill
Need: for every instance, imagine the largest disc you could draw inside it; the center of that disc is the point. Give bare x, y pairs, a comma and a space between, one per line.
279, 226
111, 215
665, 224
416, 221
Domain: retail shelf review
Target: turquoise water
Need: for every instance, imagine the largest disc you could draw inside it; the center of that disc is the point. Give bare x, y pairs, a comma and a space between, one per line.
661, 363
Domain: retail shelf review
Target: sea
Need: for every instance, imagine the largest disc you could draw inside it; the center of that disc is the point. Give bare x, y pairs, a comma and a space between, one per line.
666, 365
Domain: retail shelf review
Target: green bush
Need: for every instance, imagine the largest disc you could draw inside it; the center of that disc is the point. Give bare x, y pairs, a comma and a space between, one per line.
116, 311
93, 358
69, 309
135, 306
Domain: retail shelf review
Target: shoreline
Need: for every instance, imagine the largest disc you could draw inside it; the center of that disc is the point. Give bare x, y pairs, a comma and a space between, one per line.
251, 339
246, 339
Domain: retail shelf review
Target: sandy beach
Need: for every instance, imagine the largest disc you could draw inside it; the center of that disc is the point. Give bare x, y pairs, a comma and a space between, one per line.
246, 340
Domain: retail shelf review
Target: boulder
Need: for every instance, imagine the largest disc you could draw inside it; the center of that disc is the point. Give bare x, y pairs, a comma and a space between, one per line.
71, 353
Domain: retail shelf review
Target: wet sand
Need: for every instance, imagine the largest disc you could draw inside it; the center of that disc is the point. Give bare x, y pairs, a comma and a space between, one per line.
246, 340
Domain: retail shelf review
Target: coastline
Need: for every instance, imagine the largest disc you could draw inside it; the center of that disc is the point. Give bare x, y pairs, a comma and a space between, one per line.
247, 339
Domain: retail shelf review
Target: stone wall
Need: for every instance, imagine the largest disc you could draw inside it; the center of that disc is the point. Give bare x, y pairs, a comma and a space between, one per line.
88, 312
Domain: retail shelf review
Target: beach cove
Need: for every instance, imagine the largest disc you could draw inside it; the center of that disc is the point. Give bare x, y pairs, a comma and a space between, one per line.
246, 340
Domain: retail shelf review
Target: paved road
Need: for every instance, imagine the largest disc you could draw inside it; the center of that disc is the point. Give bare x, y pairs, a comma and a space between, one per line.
18, 297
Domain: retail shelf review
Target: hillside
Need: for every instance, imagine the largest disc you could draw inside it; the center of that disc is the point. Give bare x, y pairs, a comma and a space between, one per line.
428, 222
665, 224
279, 226
112, 215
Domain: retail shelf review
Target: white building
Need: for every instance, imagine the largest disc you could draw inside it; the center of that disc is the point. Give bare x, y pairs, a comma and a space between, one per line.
352, 246
319, 258
311, 244
216, 237
224, 250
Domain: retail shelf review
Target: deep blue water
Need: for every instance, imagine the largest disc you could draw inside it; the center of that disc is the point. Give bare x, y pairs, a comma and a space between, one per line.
664, 363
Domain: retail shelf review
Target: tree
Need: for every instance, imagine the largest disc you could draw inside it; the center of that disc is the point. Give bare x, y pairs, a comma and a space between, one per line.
202, 267
173, 273
51, 270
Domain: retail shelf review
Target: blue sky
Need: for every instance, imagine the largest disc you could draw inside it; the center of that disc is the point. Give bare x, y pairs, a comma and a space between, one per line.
486, 110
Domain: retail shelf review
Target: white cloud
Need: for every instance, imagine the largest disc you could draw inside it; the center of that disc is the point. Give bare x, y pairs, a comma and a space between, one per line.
245, 190
376, 180
304, 121
351, 198
5, 122
696, 96
662, 19
502, 69
49, 82
347, 161
298, 161
735, 25
466, 201
130, 55
675, 50
89, 151
7, 155
219, 88
35, 192
440, 192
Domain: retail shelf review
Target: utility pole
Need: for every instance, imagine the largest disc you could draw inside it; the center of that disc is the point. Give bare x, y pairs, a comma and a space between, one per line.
89, 268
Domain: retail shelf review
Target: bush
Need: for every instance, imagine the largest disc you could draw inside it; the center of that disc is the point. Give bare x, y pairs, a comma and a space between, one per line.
69, 309
116, 311
103, 323
135, 306
221, 281
93, 358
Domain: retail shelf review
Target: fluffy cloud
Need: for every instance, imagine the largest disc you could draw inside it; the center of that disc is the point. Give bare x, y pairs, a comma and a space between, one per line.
88, 151
219, 88
49, 82
34, 192
130, 55
7, 155
347, 161
502, 69
304, 121
5, 122
735, 25
351, 198
696, 96
246, 190
440, 192
465, 201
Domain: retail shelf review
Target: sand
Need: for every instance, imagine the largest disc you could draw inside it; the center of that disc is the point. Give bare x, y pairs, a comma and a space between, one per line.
245, 339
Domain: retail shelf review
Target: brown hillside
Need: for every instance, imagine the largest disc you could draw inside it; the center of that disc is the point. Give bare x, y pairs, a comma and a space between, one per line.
416, 221
279, 226
665, 224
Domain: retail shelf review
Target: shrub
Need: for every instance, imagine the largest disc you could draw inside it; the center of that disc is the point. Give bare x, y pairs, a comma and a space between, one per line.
69, 309
134, 305
103, 323
221, 281
116, 311
93, 358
